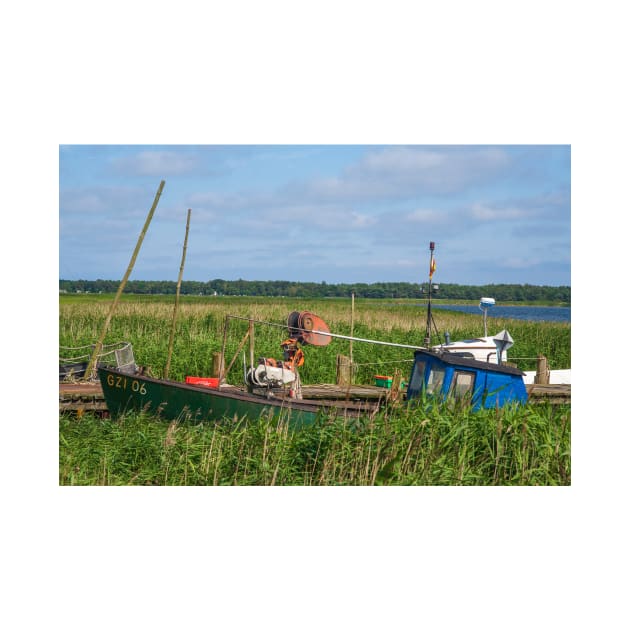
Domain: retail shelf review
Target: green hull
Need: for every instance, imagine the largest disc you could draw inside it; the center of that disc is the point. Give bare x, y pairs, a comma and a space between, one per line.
178, 401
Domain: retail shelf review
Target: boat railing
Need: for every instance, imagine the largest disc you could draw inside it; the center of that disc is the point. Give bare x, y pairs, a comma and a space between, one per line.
73, 361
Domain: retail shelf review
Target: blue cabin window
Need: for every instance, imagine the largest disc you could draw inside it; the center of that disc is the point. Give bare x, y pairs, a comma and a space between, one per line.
436, 379
462, 383
417, 378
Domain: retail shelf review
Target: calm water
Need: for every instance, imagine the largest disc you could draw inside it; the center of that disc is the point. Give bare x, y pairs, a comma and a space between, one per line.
532, 313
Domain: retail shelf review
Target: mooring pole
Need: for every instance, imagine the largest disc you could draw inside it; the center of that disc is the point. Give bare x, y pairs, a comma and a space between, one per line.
351, 331
251, 342
427, 335
542, 371
179, 284
222, 370
99, 343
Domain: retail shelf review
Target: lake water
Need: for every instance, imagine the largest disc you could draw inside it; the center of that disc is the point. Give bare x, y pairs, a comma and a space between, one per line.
532, 313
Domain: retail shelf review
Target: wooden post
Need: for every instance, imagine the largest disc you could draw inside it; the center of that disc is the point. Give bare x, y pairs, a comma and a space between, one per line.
427, 335
222, 371
344, 370
542, 371
99, 344
217, 364
179, 284
251, 343
351, 334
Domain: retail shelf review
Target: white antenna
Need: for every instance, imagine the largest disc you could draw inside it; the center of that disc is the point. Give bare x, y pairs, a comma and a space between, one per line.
484, 305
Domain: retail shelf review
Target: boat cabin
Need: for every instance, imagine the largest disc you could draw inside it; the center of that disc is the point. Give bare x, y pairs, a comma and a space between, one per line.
449, 375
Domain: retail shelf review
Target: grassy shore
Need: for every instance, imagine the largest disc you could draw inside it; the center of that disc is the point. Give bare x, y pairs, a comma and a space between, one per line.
424, 444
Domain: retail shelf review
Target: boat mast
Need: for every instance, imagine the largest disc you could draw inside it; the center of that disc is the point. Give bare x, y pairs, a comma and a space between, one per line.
427, 335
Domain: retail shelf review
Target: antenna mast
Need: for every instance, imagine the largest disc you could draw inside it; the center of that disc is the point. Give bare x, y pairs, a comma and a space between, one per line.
427, 336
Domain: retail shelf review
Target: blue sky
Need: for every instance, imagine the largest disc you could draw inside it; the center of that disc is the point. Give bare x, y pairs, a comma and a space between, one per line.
334, 213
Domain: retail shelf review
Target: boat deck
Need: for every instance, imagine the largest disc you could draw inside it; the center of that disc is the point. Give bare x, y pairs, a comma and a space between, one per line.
81, 397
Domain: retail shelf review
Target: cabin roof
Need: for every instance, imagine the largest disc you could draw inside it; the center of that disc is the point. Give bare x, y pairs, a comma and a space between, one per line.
452, 358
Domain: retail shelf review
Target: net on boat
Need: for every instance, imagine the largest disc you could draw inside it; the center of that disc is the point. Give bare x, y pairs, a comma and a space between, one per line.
73, 361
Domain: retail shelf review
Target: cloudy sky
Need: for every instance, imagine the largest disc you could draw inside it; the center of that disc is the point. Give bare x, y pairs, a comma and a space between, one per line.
334, 213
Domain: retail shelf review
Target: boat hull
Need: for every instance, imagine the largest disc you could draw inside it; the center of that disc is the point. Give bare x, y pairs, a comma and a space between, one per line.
172, 400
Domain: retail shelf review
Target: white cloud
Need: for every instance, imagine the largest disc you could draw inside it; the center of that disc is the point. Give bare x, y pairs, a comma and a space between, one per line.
401, 160
359, 220
156, 163
427, 215
396, 172
516, 262
99, 200
482, 212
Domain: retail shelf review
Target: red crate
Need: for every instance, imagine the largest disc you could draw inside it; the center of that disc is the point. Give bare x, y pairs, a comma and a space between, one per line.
202, 380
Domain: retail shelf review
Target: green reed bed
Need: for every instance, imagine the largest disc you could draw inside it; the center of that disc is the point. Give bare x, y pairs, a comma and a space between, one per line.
423, 445
419, 445
145, 321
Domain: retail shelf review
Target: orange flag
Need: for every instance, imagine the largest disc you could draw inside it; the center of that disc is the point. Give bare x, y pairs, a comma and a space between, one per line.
432, 268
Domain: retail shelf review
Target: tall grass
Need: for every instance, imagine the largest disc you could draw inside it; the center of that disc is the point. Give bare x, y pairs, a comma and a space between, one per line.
145, 321
421, 444
424, 445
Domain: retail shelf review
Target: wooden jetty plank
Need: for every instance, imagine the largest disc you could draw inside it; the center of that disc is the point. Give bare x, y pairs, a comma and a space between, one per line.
80, 397
556, 394
80, 389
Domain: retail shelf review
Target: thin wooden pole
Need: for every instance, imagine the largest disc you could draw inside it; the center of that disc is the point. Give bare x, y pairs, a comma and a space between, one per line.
351, 325
99, 343
250, 332
240, 347
217, 364
251, 343
222, 371
427, 336
179, 284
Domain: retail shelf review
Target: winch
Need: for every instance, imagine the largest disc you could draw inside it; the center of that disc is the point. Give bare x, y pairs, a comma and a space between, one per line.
304, 328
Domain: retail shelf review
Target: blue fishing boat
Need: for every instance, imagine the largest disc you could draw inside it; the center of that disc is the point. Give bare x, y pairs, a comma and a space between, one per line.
473, 370
445, 375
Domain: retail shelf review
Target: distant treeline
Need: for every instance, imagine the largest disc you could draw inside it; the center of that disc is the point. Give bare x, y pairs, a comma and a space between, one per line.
278, 288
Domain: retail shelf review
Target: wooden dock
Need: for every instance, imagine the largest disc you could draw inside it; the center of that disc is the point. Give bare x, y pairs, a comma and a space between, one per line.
80, 397
554, 394
88, 397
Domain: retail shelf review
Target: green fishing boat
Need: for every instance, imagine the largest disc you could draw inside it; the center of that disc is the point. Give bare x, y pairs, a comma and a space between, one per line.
173, 400
272, 388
